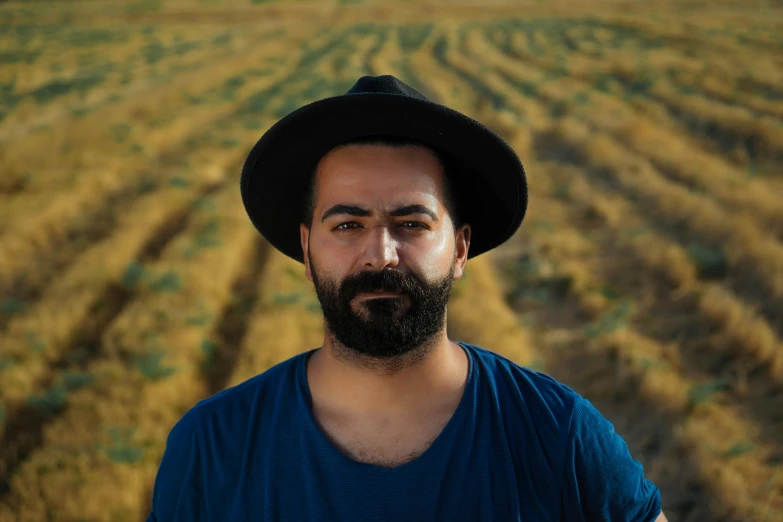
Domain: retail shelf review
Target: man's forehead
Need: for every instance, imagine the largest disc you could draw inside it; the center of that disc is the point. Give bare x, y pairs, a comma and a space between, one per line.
382, 159
382, 201
381, 176
397, 186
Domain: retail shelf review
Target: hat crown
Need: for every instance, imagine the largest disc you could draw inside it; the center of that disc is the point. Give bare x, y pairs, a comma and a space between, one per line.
386, 84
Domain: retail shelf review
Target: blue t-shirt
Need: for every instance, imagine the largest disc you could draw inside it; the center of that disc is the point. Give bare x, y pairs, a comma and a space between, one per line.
520, 447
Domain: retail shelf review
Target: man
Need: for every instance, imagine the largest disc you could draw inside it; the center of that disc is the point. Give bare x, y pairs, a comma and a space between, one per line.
384, 196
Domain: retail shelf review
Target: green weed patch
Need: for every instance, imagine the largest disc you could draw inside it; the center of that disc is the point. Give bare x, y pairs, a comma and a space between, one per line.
168, 282
411, 37
711, 262
151, 365
616, 318
122, 449
701, 393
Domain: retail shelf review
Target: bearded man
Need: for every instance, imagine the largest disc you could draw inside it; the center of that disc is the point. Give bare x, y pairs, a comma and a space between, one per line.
383, 196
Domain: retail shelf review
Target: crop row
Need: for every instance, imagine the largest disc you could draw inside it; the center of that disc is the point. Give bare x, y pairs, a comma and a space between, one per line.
46, 232
112, 430
756, 137
41, 343
72, 75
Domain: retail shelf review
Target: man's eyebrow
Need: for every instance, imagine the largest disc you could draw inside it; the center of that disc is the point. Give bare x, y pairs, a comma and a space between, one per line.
353, 210
413, 209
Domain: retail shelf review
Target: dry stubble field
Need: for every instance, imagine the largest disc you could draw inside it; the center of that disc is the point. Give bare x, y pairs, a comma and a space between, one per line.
648, 274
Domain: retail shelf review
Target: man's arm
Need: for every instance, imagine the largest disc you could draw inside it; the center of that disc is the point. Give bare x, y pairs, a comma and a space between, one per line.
603, 482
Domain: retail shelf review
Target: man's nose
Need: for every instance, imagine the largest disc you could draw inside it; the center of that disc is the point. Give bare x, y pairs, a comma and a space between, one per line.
380, 249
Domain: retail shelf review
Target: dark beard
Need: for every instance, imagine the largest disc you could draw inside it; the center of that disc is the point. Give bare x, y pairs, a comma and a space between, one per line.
384, 328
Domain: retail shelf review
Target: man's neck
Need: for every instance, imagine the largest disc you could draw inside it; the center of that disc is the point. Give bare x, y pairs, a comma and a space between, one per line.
408, 385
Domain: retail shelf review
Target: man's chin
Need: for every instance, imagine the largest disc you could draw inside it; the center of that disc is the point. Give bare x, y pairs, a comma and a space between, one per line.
380, 326
377, 309
372, 332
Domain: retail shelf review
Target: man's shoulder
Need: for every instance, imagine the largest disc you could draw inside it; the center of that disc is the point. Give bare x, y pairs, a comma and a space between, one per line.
237, 404
514, 381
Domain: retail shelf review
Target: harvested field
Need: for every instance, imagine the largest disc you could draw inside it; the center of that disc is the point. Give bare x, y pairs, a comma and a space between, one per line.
647, 275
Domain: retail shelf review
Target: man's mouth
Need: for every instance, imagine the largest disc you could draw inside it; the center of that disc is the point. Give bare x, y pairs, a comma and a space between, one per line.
381, 293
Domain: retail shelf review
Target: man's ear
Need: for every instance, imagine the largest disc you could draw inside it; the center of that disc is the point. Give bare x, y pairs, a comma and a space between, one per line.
462, 246
304, 238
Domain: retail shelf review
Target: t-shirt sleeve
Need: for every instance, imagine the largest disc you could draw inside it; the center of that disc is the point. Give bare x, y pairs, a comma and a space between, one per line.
603, 482
176, 496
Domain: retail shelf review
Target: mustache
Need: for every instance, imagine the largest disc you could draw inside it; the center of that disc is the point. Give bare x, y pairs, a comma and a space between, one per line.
384, 281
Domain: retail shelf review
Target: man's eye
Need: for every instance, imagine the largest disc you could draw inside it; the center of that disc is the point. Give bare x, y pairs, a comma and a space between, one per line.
341, 226
416, 225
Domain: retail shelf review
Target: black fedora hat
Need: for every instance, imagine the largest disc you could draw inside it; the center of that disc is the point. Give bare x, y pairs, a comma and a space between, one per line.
489, 181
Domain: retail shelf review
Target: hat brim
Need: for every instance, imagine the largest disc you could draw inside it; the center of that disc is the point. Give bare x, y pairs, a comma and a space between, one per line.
491, 185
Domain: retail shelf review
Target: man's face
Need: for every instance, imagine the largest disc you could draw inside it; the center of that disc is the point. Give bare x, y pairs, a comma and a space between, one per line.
364, 240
